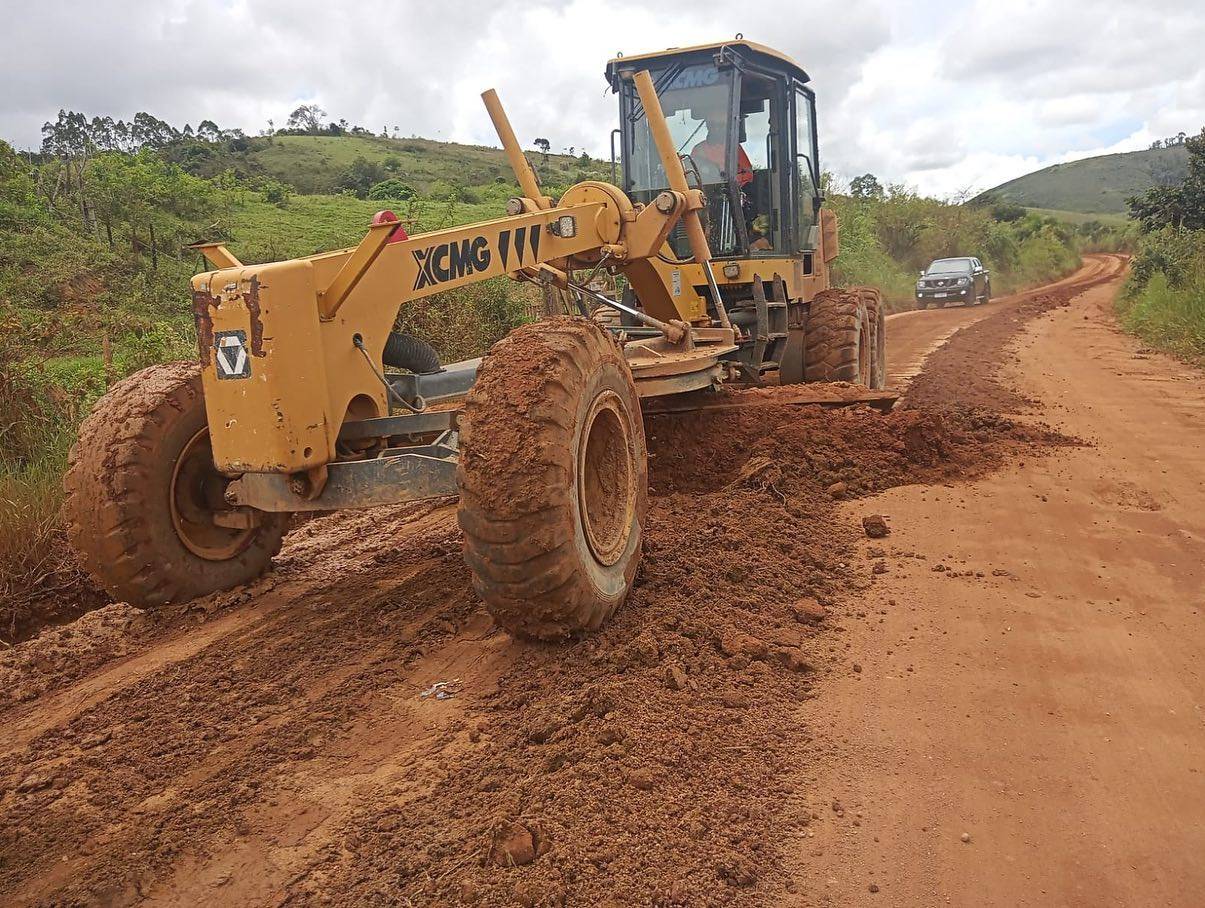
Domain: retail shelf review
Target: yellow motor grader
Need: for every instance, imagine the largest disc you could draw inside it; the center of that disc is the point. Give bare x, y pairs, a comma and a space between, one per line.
185, 475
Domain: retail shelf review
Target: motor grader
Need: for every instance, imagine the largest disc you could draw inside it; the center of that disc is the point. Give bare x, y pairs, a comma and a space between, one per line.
304, 398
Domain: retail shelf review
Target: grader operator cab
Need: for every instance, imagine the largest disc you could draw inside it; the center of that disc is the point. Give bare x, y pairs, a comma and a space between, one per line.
185, 475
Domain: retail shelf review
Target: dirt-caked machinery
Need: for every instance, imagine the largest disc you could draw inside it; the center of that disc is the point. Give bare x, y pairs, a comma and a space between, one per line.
305, 399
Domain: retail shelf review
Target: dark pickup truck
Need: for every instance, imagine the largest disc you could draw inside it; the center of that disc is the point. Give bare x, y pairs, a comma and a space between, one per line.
945, 280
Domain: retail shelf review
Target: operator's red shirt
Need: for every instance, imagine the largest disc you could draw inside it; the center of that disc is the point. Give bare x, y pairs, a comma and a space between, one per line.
713, 152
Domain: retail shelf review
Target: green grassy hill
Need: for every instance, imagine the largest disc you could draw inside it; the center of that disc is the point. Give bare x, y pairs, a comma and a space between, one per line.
1098, 185
313, 164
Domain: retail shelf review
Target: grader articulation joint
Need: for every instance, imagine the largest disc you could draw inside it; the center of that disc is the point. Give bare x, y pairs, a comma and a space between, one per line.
290, 408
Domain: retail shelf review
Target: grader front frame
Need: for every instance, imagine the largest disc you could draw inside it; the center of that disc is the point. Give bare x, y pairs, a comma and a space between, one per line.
184, 475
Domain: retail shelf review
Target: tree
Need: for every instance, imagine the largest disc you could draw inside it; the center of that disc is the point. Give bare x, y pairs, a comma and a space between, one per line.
1180, 205
360, 176
207, 131
151, 131
306, 118
544, 145
866, 186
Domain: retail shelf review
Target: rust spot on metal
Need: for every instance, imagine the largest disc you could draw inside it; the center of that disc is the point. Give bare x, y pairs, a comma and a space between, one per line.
202, 302
251, 298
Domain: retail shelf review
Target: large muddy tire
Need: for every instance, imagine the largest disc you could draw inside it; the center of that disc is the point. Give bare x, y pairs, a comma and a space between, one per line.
606, 316
876, 317
837, 345
553, 479
142, 489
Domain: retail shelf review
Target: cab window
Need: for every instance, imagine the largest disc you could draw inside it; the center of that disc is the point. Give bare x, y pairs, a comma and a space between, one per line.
759, 139
697, 103
807, 167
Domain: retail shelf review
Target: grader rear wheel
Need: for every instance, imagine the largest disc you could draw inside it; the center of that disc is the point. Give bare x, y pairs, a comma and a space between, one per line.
876, 318
143, 494
838, 344
553, 479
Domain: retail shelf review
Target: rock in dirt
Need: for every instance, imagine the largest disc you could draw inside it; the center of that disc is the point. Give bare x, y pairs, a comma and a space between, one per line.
675, 678
513, 844
738, 643
642, 779
792, 660
875, 526
734, 700
33, 782
95, 740
808, 611
838, 489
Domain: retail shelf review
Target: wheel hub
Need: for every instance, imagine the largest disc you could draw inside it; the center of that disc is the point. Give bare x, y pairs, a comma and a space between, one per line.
197, 494
606, 478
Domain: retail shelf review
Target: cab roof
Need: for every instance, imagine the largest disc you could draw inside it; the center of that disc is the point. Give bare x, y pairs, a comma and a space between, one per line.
746, 48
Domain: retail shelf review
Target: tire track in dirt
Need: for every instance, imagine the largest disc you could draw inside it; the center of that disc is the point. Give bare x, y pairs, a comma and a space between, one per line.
290, 757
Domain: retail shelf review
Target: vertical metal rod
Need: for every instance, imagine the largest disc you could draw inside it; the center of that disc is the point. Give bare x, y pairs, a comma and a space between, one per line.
514, 154
677, 182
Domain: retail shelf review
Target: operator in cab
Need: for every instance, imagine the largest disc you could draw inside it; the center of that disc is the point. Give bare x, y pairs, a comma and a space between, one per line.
708, 157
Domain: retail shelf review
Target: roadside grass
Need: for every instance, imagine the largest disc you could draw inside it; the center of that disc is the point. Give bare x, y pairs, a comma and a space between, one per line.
1167, 317
1108, 218
37, 424
1164, 298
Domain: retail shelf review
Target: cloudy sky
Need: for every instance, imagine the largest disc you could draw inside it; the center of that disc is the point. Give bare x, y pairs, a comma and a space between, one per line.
941, 96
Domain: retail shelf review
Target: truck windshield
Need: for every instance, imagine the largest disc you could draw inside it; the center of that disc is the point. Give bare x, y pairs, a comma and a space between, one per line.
697, 102
949, 266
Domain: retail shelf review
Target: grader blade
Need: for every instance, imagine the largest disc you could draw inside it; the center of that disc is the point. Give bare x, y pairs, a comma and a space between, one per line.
829, 396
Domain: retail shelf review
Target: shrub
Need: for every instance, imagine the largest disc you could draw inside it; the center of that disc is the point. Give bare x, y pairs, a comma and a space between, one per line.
1164, 299
392, 189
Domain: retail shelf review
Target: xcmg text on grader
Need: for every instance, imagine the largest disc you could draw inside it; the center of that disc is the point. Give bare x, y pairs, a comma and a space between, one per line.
185, 475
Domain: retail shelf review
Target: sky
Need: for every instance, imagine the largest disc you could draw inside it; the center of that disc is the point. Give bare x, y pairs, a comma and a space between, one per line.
942, 97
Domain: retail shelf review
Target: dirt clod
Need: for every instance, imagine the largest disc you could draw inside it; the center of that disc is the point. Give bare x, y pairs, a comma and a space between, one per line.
875, 526
642, 778
808, 611
675, 678
513, 844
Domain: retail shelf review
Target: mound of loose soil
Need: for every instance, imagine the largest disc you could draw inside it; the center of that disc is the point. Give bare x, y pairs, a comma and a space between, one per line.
62, 654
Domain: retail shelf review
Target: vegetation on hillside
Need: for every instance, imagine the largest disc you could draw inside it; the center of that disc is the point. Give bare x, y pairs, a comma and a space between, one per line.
889, 234
1099, 185
1164, 300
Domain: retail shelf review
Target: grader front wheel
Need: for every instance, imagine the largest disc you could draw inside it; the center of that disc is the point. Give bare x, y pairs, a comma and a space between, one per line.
145, 508
553, 479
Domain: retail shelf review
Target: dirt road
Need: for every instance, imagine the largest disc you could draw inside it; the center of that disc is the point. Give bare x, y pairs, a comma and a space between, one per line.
783, 713
1043, 693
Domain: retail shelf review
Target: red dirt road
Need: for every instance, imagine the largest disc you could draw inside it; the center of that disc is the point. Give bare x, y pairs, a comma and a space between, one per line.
714, 745
1046, 700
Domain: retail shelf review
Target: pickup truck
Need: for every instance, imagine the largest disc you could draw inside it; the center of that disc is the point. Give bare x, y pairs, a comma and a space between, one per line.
946, 280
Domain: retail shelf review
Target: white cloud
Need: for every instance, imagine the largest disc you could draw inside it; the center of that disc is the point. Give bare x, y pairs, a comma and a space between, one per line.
941, 95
